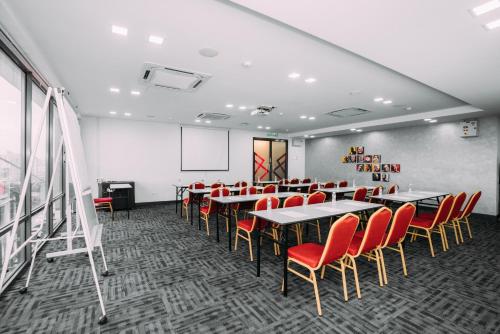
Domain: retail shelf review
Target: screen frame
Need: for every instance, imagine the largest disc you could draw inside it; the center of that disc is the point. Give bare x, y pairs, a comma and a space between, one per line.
207, 170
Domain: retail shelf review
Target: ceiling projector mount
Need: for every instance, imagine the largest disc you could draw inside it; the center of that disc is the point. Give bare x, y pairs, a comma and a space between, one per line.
262, 110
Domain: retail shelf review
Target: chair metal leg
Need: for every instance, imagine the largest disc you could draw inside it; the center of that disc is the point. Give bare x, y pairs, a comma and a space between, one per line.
236, 239
382, 263
403, 261
429, 237
468, 226
316, 292
344, 283
250, 245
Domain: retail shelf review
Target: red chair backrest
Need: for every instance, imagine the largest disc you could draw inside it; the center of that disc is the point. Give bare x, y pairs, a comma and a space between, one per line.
329, 185
317, 197
250, 190
377, 191
360, 194
470, 205
392, 189
294, 181
400, 223
283, 181
270, 188
444, 211
219, 192
339, 239
240, 184
375, 230
196, 185
342, 184
306, 180
295, 200
217, 185
456, 208
261, 204
313, 187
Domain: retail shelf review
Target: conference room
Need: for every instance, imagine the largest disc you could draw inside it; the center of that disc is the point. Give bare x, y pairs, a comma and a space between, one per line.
239, 166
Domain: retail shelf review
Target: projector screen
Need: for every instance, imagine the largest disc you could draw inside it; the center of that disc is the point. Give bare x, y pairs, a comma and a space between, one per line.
204, 149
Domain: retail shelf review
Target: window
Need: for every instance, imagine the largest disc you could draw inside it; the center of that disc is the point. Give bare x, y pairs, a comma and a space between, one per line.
39, 174
11, 153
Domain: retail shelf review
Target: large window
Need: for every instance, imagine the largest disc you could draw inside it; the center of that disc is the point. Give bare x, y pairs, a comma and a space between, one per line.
21, 114
11, 153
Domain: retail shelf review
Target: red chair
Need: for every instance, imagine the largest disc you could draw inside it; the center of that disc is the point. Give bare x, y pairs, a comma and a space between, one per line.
396, 235
245, 206
186, 201
210, 209
306, 180
240, 184
392, 189
283, 182
377, 191
217, 185
294, 181
295, 200
315, 198
463, 217
456, 210
313, 256
105, 203
329, 185
368, 244
247, 226
343, 184
360, 194
312, 188
433, 223
269, 189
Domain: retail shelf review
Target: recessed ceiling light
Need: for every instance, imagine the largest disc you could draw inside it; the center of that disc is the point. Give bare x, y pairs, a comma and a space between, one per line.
127, 114
112, 112
119, 30
387, 102
135, 92
378, 99
485, 8
359, 130
427, 119
353, 129
433, 121
312, 118
408, 108
281, 114
208, 121
229, 105
114, 90
246, 64
242, 107
197, 120
303, 116
268, 128
259, 127
294, 75
311, 136
492, 25
310, 80
155, 39
306, 136
208, 52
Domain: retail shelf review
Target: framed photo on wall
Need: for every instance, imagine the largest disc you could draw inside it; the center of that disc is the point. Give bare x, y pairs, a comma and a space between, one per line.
344, 159
386, 168
368, 158
360, 150
359, 158
367, 168
376, 168
386, 177
375, 176
352, 158
376, 158
395, 168
359, 168
353, 150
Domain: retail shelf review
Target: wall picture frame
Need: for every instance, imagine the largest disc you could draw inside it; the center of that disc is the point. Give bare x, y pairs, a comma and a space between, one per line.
376, 158
376, 177
376, 168
386, 168
359, 168
367, 159
360, 150
395, 168
386, 177
367, 168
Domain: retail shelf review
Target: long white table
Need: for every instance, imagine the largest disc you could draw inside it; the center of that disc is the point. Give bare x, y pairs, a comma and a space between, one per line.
412, 197
294, 215
179, 192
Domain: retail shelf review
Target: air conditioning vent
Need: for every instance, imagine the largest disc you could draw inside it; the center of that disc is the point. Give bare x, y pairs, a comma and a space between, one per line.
173, 78
348, 112
262, 110
212, 116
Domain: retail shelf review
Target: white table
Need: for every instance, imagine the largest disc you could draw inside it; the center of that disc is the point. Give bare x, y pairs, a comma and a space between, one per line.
299, 214
411, 197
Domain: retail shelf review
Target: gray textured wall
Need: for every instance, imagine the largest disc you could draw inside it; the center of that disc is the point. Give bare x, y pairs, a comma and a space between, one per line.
432, 157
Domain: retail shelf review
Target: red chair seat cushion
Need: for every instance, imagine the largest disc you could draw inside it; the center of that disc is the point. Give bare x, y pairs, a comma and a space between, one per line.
245, 224
422, 222
185, 200
308, 253
355, 244
427, 215
103, 200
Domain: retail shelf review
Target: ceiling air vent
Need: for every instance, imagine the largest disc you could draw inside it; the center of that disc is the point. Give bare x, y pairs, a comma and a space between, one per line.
348, 112
173, 78
212, 116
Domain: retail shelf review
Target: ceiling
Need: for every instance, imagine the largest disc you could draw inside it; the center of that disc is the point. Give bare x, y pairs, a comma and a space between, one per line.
355, 49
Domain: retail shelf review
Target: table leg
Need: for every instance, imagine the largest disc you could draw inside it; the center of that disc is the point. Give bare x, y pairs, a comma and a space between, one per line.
285, 260
191, 205
177, 199
229, 228
199, 212
257, 242
217, 219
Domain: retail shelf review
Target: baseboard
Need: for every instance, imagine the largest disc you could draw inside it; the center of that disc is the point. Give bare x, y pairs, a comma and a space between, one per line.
142, 204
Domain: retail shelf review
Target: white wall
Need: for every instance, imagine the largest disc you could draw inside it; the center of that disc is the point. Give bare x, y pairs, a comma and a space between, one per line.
149, 154
432, 157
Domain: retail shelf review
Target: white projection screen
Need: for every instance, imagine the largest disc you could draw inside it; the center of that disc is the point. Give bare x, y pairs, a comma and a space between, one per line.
204, 149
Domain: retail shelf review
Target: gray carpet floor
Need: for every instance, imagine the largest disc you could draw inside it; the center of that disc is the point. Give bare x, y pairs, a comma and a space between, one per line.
169, 277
